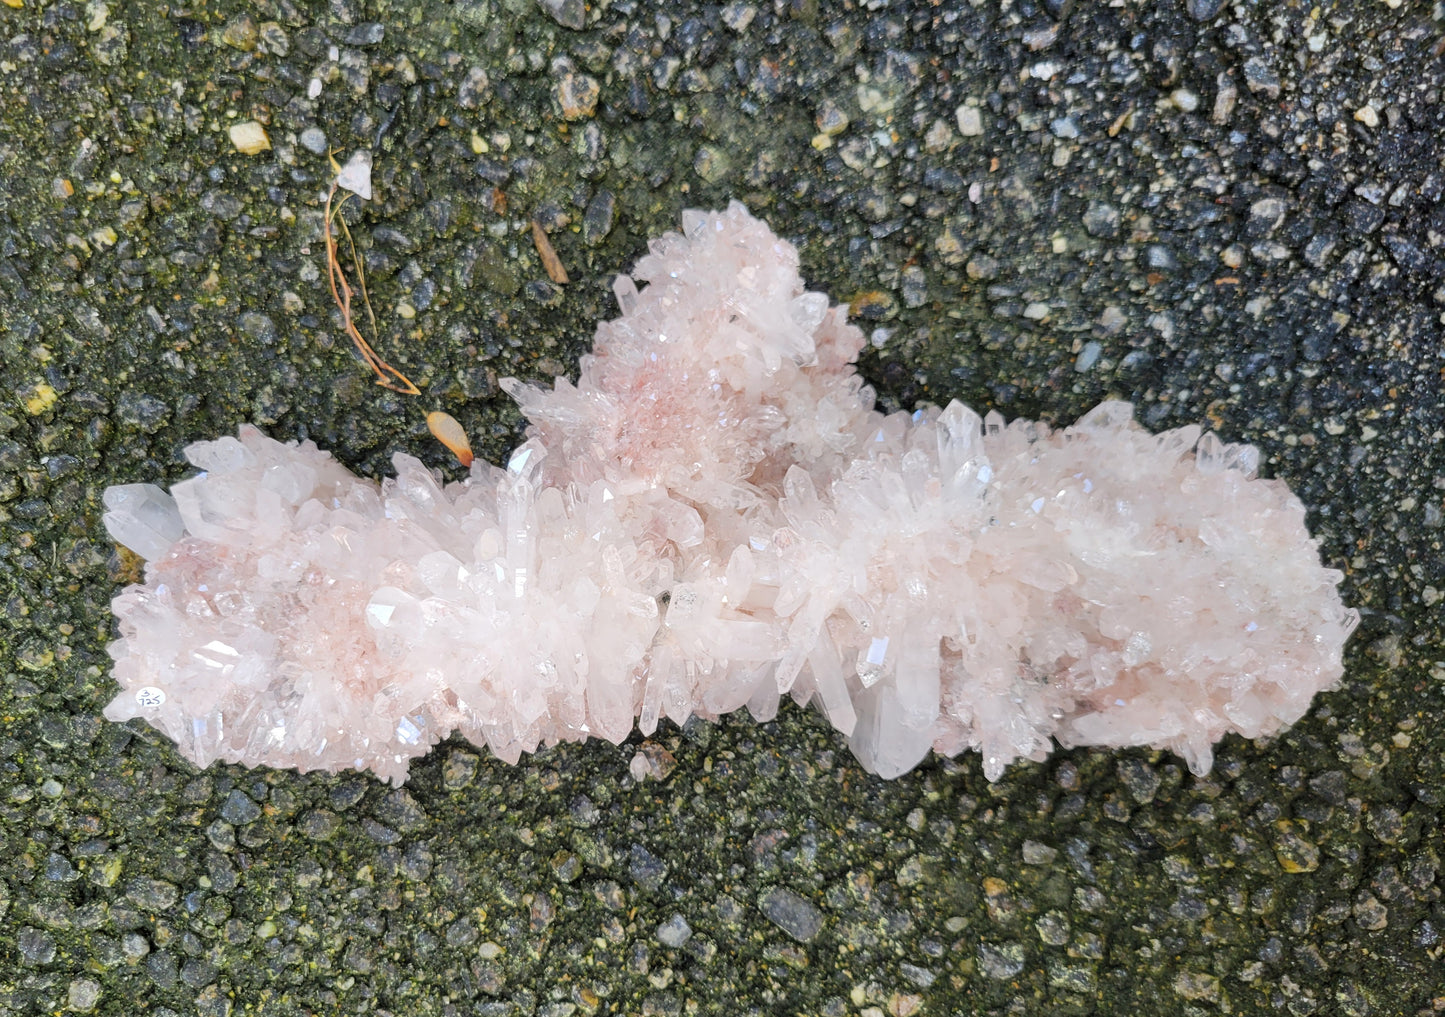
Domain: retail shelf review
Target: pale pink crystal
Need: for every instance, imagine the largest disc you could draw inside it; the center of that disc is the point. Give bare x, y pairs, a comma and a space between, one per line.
713, 515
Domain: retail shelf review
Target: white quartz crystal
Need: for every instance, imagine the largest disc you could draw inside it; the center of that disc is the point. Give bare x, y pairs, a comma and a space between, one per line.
143, 518
713, 515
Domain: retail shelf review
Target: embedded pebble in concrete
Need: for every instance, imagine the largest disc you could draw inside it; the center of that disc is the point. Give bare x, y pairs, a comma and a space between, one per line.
791, 913
240, 809
674, 932
83, 995
313, 139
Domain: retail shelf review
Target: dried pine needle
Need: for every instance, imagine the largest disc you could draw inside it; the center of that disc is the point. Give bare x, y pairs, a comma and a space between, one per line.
445, 429
386, 375
550, 261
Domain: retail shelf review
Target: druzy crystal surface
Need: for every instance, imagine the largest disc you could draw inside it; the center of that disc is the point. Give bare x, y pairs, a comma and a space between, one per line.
715, 515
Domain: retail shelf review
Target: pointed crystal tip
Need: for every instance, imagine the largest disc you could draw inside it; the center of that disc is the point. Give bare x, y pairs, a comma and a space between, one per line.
144, 518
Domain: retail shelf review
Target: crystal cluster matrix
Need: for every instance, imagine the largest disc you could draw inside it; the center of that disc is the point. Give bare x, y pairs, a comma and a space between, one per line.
715, 515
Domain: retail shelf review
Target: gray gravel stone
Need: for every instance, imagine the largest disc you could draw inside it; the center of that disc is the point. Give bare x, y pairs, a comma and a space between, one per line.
222, 205
369, 34
1102, 219
240, 809
139, 410
259, 326
1260, 77
919, 976
313, 139
473, 89
36, 947
1000, 960
58, 869
401, 810
82, 995
1036, 853
567, 13
674, 932
791, 913
152, 894
1141, 779
212, 1002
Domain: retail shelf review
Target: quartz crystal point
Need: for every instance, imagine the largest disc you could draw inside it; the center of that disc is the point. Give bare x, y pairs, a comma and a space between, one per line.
713, 515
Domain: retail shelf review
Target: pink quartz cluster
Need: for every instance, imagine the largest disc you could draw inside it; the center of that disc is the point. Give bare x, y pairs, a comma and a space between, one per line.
714, 515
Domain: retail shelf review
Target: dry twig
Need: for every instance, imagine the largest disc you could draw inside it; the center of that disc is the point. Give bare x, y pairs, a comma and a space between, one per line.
386, 375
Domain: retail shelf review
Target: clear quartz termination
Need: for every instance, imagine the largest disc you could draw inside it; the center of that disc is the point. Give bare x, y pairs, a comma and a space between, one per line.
712, 516
143, 518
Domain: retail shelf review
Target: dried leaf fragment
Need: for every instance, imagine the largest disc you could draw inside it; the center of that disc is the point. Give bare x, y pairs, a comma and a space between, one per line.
445, 429
550, 261
249, 137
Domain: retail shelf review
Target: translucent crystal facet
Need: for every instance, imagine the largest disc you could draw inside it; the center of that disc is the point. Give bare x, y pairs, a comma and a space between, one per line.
143, 518
713, 514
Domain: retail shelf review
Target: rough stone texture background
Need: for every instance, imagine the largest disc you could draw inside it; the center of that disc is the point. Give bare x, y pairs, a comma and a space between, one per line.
1226, 212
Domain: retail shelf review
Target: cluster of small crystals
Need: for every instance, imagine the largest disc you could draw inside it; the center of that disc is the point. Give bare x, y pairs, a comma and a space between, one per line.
713, 516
